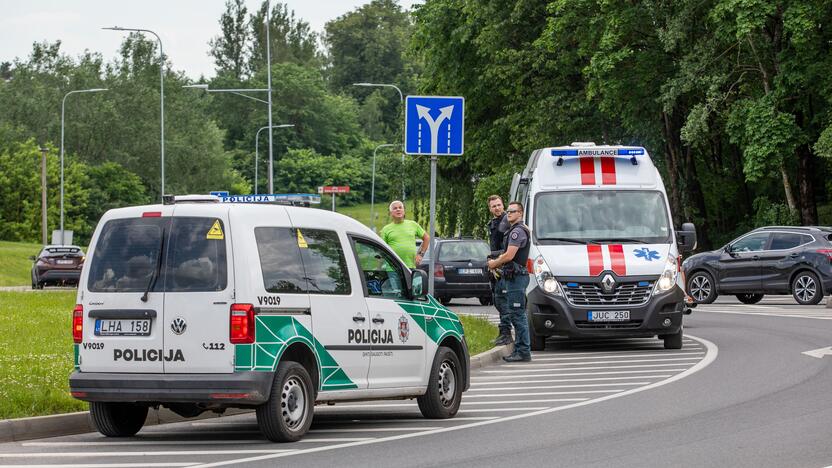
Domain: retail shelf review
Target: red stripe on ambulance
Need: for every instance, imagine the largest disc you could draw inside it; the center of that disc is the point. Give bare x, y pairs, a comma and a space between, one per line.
608, 171
619, 266
587, 171
596, 259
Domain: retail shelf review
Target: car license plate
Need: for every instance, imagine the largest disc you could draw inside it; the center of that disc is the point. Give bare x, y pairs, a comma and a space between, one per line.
122, 327
608, 316
470, 271
65, 262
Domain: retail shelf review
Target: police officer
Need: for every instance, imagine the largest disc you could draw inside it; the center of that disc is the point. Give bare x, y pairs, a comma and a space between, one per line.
513, 280
497, 228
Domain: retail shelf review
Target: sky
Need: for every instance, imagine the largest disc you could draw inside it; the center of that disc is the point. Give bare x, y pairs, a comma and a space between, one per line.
185, 26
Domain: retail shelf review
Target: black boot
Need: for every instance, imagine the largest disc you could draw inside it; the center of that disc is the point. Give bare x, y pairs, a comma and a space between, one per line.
504, 338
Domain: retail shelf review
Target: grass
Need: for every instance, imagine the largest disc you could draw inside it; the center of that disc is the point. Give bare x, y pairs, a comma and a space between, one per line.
38, 355
17, 268
361, 213
479, 333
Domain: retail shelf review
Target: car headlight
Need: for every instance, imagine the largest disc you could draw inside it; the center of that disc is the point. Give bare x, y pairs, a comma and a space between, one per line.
668, 277
545, 280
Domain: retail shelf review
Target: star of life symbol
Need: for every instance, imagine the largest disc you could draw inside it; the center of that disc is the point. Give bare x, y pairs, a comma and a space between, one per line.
647, 254
608, 284
404, 329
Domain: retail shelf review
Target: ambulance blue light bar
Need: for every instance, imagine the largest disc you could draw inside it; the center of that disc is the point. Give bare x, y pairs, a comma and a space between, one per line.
627, 152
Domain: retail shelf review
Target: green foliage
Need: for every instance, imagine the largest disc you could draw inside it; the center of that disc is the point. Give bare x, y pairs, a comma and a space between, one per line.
17, 266
767, 213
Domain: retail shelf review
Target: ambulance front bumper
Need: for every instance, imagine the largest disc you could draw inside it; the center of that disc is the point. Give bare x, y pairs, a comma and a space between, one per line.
555, 316
238, 388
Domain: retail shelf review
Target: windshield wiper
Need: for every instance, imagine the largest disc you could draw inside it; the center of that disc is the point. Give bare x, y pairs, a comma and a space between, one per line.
620, 239
155, 276
565, 239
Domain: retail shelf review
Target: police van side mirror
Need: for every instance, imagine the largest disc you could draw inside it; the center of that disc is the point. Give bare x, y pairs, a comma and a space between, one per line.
418, 285
686, 237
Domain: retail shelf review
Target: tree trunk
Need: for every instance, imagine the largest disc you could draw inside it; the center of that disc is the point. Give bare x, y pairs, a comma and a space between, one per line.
805, 187
672, 158
697, 197
787, 187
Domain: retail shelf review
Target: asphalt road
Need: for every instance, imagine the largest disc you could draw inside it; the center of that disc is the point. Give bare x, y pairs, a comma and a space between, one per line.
740, 393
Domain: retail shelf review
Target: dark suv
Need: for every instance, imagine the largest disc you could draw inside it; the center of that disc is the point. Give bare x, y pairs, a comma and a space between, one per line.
460, 270
57, 264
768, 260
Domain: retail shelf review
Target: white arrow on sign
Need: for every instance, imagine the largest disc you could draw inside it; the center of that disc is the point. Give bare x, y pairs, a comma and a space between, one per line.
444, 113
819, 353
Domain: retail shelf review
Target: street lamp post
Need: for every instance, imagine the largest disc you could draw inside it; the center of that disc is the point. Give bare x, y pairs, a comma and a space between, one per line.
257, 151
269, 84
401, 105
63, 104
373, 187
161, 91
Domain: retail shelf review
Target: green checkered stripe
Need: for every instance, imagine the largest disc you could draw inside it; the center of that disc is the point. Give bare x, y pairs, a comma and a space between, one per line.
444, 321
77, 356
274, 334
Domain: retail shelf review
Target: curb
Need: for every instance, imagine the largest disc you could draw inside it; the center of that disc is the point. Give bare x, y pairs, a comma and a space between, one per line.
38, 427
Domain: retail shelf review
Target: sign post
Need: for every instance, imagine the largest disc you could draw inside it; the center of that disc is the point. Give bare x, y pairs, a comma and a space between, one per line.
434, 126
333, 189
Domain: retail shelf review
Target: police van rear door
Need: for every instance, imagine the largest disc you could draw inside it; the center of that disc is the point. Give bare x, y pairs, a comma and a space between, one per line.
199, 291
122, 293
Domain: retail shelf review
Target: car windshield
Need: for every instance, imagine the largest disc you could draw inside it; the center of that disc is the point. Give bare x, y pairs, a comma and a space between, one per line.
463, 251
601, 217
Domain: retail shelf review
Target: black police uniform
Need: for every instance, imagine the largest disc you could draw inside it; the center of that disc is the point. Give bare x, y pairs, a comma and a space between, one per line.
497, 228
511, 290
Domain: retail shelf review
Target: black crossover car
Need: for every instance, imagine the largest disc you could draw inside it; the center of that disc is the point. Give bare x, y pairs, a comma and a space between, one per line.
767, 260
460, 270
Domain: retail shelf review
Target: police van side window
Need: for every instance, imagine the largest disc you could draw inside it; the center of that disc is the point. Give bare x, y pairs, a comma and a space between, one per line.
323, 261
196, 259
280, 260
382, 274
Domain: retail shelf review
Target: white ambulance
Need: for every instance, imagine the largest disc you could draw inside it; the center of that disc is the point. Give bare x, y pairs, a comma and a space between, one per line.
605, 258
198, 305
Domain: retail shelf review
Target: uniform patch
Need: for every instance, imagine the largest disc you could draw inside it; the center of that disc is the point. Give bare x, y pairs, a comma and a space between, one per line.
514, 236
215, 233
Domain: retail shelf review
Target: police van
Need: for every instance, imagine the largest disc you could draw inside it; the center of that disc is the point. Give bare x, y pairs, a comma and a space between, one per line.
605, 258
197, 305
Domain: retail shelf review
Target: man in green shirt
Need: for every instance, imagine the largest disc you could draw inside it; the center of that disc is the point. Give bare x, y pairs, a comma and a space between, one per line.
401, 236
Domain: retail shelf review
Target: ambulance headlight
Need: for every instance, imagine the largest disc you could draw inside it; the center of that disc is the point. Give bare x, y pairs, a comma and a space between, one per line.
668, 278
545, 280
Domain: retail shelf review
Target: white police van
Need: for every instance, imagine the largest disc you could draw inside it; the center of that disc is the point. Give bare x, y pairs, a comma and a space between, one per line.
605, 258
197, 305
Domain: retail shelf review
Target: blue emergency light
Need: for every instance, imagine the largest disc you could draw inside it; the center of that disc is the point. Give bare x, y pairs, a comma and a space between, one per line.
599, 151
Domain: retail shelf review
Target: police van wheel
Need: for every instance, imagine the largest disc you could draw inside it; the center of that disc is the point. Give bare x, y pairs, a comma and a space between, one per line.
287, 414
673, 341
444, 394
117, 419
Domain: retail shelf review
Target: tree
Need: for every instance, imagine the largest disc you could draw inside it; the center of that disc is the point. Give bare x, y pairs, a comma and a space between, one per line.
291, 38
230, 48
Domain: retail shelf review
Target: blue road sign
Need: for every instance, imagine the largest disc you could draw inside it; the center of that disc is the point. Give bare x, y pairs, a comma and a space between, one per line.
434, 125
219, 193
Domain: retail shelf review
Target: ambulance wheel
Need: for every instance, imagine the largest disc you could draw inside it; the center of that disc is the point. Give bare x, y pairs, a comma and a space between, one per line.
117, 419
444, 394
287, 414
536, 342
673, 341
701, 287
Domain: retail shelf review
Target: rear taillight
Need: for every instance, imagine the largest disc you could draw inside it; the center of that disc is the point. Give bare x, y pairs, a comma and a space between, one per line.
827, 252
438, 270
78, 323
242, 324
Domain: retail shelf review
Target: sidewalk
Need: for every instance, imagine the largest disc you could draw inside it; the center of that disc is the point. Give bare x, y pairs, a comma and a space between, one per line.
13, 430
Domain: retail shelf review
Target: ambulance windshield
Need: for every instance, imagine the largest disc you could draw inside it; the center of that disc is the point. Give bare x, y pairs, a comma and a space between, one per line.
602, 216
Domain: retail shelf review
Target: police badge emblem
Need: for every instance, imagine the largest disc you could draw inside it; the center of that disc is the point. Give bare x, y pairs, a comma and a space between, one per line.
404, 329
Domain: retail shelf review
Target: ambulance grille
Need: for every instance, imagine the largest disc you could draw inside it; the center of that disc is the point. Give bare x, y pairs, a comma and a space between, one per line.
591, 294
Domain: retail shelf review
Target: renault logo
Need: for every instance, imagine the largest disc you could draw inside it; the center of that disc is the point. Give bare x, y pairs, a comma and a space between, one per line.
608, 284
178, 325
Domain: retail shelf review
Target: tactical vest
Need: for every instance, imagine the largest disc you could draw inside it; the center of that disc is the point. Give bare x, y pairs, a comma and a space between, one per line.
522, 254
495, 235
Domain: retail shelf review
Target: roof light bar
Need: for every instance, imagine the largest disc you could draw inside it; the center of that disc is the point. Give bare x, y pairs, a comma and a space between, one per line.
630, 152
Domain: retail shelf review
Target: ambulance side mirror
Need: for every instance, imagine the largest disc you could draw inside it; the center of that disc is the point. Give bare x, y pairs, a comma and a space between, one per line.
686, 238
419, 285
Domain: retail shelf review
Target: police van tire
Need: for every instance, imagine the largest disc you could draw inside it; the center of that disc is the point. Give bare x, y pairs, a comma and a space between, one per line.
444, 394
287, 414
117, 419
673, 341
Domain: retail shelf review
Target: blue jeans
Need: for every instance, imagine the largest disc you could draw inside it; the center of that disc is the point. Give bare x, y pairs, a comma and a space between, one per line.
511, 295
499, 303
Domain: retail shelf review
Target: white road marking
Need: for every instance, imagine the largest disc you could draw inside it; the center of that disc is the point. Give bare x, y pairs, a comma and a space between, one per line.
138, 454
626, 361
143, 442
523, 402
541, 387
575, 368
488, 410
712, 354
819, 353
411, 420
570, 374
336, 439
497, 395
617, 356
595, 379
769, 314
375, 429
106, 465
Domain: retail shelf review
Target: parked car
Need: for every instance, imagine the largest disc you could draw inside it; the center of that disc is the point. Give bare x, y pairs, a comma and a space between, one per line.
57, 265
460, 270
767, 260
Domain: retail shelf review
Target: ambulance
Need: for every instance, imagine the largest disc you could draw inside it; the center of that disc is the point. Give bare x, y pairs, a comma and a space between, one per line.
605, 259
197, 305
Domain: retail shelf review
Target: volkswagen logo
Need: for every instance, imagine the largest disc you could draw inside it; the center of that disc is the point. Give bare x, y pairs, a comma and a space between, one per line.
608, 284
178, 325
